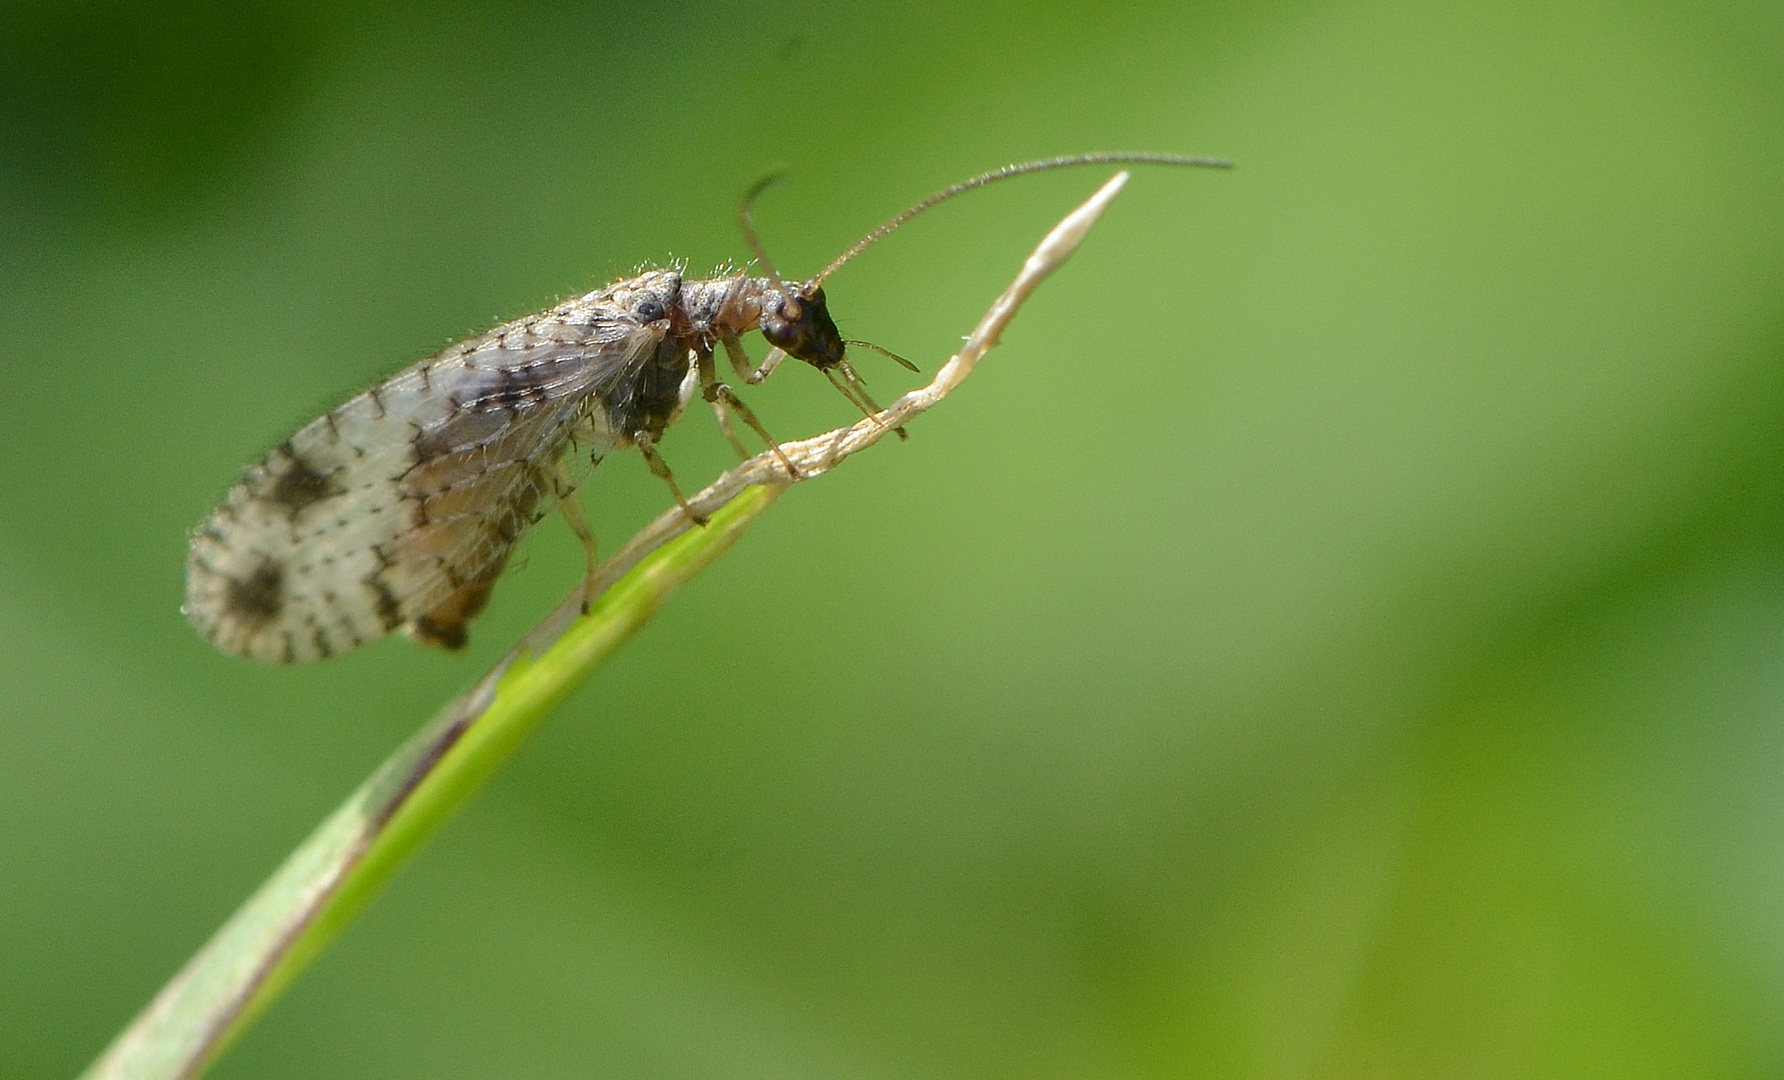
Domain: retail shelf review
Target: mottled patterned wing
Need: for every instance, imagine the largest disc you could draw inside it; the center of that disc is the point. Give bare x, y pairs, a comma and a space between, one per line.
400, 507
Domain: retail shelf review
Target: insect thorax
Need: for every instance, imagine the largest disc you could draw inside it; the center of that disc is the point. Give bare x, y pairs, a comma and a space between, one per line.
710, 310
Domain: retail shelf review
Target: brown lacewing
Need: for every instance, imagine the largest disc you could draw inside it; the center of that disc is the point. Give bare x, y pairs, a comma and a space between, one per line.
400, 508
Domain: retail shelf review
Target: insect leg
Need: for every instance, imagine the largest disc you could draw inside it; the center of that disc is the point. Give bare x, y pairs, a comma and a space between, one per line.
769, 363
740, 360
709, 378
724, 402
571, 507
647, 445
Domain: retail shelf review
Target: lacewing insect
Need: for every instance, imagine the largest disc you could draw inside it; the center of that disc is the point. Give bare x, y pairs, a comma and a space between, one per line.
400, 508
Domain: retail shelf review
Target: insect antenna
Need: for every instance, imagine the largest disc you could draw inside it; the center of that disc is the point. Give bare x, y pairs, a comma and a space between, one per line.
802, 326
748, 225
1004, 173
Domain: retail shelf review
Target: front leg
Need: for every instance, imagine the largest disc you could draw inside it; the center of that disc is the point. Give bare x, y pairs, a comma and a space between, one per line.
709, 382
769, 363
740, 360
724, 403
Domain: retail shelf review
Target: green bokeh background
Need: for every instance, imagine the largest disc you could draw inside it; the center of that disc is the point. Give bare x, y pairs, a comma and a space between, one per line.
1340, 634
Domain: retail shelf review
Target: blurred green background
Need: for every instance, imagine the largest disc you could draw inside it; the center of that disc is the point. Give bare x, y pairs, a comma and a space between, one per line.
1340, 634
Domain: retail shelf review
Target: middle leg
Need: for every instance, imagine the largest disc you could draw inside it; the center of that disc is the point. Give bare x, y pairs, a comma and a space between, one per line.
647, 445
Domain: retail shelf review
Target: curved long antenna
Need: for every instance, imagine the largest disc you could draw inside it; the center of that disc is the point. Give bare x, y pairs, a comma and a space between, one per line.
748, 224
1019, 169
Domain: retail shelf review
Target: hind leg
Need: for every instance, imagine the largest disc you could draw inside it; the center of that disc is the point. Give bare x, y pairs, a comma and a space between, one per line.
571, 508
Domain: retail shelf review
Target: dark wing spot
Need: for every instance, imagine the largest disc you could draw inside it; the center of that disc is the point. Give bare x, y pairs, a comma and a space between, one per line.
299, 485
450, 636
444, 626
388, 614
258, 598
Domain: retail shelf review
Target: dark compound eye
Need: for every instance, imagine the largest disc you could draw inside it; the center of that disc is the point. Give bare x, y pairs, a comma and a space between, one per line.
650, 311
